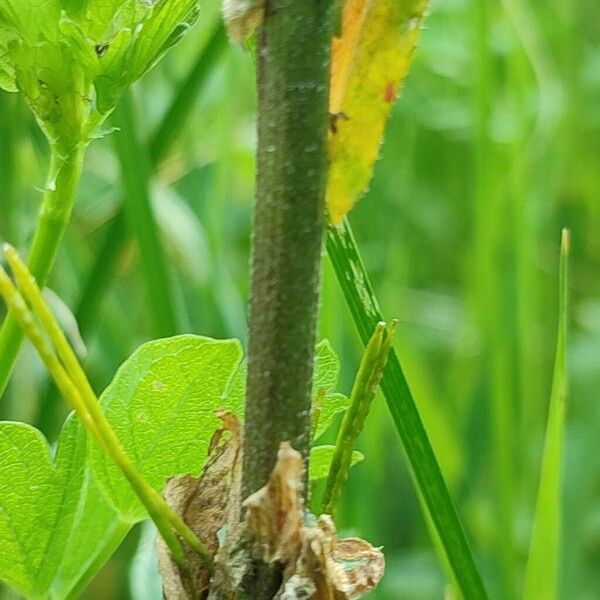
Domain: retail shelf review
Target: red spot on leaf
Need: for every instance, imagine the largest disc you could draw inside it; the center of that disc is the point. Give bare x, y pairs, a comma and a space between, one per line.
390, 92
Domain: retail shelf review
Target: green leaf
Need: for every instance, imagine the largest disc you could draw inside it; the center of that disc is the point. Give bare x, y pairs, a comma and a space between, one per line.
96, 532
327, 368
541, 576
326, 404
320, 461
330, 407
38, 502
161, 405
73, 59
63, 526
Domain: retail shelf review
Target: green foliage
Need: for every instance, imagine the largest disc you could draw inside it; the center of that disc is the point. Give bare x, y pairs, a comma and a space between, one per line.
542, 574
321, 458
39, 499
73, 59
161, 405
57, 528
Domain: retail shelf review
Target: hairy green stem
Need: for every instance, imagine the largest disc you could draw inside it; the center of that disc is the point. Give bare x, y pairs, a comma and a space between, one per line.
55, 213
293, 53
293, 72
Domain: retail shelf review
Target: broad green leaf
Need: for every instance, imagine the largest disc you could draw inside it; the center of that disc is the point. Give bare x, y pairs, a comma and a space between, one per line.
321, 458
38, 502
96, 532
56, 528
369, 62
541, 576
63, 527
161, 405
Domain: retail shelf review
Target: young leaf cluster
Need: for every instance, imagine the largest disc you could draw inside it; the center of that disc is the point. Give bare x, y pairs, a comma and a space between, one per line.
72, 59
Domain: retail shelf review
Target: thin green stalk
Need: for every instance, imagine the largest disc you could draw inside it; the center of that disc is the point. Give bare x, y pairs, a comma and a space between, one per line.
73, 384
364, 308
541, 576
135, 175
55, 212
369, 375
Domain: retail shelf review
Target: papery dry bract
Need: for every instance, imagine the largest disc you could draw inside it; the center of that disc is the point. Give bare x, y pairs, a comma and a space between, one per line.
207, 504
242, 17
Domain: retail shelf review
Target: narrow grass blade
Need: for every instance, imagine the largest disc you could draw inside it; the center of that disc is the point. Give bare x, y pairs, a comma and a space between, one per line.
166, 133
541, 576
183, 101
363, 305
135, 175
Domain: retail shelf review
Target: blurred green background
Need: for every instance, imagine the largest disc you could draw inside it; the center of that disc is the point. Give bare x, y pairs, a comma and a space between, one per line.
493, 147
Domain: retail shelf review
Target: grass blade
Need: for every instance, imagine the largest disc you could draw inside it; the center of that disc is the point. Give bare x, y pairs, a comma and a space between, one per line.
541, 576
135, 175
363, 305
167, 131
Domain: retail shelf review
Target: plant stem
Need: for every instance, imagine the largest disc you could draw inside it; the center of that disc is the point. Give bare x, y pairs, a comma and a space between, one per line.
293, 52
55, 212
289, 220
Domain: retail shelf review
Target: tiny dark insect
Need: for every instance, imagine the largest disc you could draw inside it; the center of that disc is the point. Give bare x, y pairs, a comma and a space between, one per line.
101, 49
334, 118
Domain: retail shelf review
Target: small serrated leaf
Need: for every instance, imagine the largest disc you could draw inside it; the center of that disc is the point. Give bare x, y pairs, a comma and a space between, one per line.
321, 458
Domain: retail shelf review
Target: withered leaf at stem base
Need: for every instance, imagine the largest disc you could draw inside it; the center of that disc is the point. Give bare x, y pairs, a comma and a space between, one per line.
206, 504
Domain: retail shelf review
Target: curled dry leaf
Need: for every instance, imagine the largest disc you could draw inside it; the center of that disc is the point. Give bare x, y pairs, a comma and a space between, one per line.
315, 565
275, 513
328, 569
206, 504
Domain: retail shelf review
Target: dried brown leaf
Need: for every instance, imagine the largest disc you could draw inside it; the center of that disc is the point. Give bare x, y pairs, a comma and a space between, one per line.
333, 570
206, 504
275, 513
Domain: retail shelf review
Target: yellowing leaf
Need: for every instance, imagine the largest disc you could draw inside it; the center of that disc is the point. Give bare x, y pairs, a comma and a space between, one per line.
369, 62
